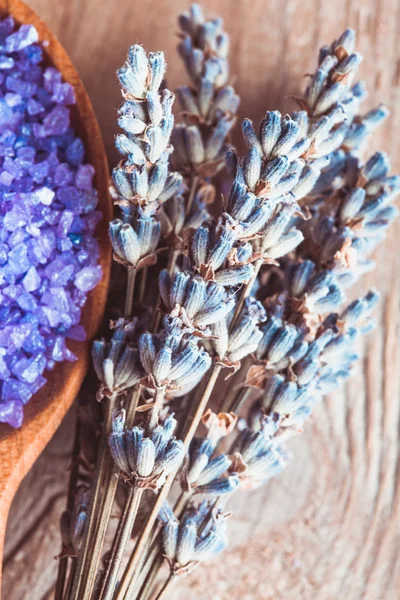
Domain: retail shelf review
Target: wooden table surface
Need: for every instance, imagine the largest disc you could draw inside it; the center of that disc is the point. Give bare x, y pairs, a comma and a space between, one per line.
329, 527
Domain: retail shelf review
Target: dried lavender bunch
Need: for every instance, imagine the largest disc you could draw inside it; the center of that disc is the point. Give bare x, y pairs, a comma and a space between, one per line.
173, 365
260, 208
291, 344
308, 343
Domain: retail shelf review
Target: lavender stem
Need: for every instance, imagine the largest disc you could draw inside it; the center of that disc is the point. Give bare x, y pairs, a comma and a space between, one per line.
85, 574
121, 539
130, 289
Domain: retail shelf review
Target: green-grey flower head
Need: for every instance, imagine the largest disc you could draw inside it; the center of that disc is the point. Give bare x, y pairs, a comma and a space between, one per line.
209, 106
145, 461
143, 178
258, 457
293, 372
197, 302
346, 231
232, 344
205, 474
219, 255
202, 40
172, 361
337, 66
116, 362
198, 536
135, 244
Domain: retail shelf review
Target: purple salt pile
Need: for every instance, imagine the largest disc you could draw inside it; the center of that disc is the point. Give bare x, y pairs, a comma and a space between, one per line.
48, 255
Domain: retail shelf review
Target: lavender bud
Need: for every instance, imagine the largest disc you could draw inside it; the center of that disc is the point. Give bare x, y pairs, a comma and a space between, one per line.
270, 131
219, 487
186, 543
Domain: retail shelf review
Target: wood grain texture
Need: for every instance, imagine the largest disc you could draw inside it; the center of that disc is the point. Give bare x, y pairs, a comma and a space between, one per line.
329, 527
20, 448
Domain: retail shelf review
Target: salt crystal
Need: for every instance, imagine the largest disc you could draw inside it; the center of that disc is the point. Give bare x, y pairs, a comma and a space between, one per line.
14, 336
84, 177
34, 107
6, 62
51, 77
39, 171
63, 93
57, 121
6, 178
11, 412
4, 371
12, 100
75, 152
63, 175
28, 370
18, 259
31, 281
51, 316
88, 278
70, 197
16, 390
25, 36
65, 223
5, 112
45, 195
27, 302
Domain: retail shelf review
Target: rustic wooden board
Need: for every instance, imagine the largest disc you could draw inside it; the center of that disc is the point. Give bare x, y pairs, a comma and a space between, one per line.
329, 527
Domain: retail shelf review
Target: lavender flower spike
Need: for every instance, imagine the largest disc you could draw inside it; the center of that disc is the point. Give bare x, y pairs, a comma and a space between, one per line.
203, 473
258, 458
197, 302
267, 182
142, 180
210, 105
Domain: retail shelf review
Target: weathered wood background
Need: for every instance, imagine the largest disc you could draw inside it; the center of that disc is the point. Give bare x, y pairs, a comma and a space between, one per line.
329, 527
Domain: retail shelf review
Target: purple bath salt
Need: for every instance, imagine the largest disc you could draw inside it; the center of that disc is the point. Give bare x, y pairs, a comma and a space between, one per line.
48, 253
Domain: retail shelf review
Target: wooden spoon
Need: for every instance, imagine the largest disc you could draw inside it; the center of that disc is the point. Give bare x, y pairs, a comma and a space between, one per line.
20, 448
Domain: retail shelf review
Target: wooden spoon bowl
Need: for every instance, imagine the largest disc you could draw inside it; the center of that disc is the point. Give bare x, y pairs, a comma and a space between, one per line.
43, 414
